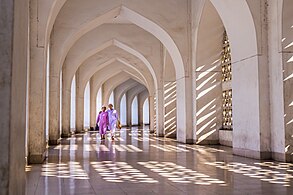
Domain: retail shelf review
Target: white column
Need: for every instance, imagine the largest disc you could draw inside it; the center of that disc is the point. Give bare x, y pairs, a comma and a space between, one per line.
160, 112
116, 101
66, 107
13, 75
151, 112
37, 93
54, 102
79, 109
184, 110
93, 104
128, 110
140, 109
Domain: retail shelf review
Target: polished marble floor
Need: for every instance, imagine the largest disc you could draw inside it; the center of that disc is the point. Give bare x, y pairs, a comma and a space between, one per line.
139, 163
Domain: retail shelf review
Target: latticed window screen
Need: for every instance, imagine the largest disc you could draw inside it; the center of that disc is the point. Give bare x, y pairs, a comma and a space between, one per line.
226, 78
226, 60
227, 109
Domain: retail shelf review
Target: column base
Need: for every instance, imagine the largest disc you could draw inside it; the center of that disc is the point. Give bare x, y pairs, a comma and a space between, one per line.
289, 158
208, 142
65, 135
36, 158
187, 141
279, 156
252, 154
160, 135
54, 142
82, 131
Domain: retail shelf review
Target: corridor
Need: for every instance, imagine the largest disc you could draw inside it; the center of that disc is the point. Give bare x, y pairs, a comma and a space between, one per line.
138, 162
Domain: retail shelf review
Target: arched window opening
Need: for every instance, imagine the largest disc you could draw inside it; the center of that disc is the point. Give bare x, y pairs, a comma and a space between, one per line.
99, 101
123, 110
72, 102
134, 113
146, 112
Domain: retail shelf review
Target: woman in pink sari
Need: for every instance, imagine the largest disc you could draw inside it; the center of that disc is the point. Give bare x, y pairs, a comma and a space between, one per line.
103, 122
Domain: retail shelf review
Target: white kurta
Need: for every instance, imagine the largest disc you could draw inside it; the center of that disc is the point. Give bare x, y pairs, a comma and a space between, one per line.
113, 117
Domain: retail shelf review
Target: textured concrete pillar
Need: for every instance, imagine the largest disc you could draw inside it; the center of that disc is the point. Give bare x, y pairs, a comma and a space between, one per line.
66, 107
184, 110
151, 112
37, 93
140, 111
128, 110
287, 55
116, 101
93, 104
13, 77
54, 108
160, 112
54, 102
104, 99
79, 108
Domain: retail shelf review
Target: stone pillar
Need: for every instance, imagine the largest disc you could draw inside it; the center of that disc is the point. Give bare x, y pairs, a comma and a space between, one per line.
54, 101
152, 113
287, 68
66, 107
37, 93
116, 102
140, 109
54, 108
251, 102
79, 108
276, 80
184, 110
93, 104
128, 110
13, 76
104, 94
160, 112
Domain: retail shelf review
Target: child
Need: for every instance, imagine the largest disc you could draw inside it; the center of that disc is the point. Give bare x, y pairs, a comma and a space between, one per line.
103, 122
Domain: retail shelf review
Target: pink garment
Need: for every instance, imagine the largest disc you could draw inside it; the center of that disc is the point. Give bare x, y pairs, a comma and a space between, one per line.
103, 121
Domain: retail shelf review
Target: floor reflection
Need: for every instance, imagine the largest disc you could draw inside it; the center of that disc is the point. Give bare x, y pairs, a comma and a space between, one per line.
180, 174
138, 162
72, 170
267, 175
120, 172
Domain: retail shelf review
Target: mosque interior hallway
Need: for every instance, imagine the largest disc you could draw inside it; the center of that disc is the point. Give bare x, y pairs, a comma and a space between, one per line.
138, 162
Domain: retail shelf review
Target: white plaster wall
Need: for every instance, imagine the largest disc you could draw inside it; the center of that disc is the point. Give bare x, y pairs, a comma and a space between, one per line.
208, 76
101, 59
168, 20
129, 34
226, 137
170, 118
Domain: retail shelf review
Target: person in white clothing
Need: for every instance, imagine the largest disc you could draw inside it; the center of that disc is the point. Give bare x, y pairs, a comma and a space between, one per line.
113, 118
